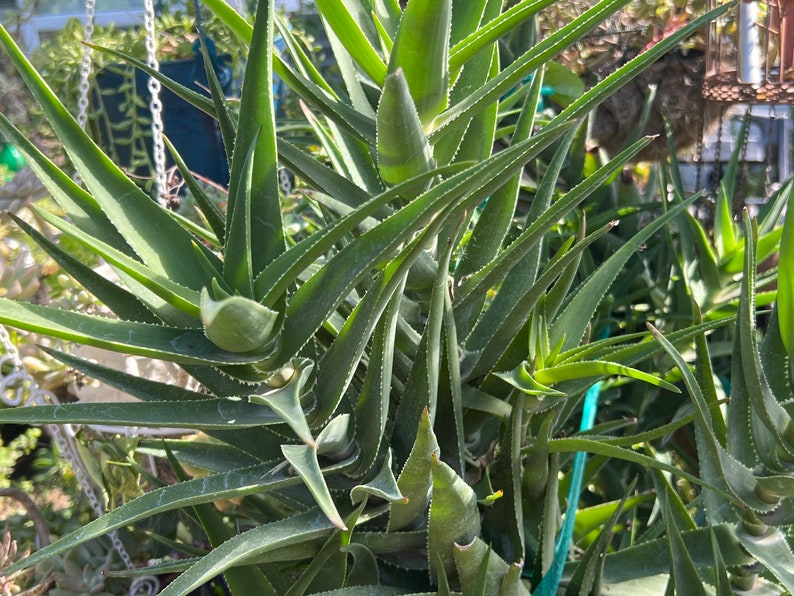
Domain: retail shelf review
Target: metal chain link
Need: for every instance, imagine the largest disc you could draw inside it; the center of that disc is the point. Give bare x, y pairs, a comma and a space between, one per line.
85, 73
85, 65
19, 388
155, 105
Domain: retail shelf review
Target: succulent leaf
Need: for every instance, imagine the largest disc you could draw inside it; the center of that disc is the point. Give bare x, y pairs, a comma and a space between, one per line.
238, 324
454, 518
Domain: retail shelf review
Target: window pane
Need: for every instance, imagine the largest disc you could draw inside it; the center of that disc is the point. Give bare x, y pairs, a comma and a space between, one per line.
77, 7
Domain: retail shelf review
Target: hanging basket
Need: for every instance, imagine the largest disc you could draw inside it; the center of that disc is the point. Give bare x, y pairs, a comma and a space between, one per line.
123, 119
750, 55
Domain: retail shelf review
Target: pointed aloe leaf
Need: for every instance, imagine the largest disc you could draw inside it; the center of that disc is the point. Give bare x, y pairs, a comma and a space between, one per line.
479, 568
760, 493
512, 584
403, 150
135, 386
725, 239
522, 379
465, 22
303, 459
342, 15
388, 14
651, 557
449, 404
287, 400
238, 264
248, 578
554, 44
325, 569
226, 121
573, 320
123, 303
468, 138
331, 284
157, 239
246, 547
372, 407
339, 363
358, 158
771, 550
188, 346
421, 50
273, 282
334, 440
493, 331
207, 414
480, 37
530, 61
603, 514
383, 486
358, 124
503, 522
421, 388
415, 480
238, 324
586, 578
363, 572
684, 575
354, 121
496, 217
319, 176
191, 96
183, 298
211, 213
454, 518
254, 202
585, 369
303, 63
80, 206
493, 273
785, 280
600, 447
235, 483
385, 37
722, 583
765, 405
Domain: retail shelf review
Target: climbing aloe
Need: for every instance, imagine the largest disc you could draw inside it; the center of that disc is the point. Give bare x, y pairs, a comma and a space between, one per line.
386, 398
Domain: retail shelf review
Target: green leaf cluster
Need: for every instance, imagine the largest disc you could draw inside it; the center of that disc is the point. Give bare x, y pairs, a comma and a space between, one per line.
390, 398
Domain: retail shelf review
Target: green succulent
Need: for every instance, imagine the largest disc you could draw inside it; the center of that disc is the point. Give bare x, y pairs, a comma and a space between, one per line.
392, 396
19, 275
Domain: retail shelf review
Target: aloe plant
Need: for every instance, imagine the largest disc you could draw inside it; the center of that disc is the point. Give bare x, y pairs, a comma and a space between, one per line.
385, 395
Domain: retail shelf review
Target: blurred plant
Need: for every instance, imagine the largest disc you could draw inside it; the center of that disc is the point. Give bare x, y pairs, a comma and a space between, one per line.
13, 584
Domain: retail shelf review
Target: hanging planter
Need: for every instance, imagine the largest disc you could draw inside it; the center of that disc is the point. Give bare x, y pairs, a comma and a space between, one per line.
750, 55
122, 122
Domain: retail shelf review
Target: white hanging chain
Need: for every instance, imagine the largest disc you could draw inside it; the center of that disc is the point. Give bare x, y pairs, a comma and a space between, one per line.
85, 65
85, 72
19, 388
155, 105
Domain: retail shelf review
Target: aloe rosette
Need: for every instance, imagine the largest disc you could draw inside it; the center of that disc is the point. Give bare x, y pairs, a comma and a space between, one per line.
387, 392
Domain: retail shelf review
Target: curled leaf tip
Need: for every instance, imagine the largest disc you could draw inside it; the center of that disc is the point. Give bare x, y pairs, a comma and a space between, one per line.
465, 547
237, 324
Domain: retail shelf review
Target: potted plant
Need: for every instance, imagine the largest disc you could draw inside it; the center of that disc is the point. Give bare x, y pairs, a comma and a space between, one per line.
394, 399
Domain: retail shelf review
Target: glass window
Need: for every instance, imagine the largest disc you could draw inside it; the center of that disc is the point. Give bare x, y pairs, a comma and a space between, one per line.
77, 7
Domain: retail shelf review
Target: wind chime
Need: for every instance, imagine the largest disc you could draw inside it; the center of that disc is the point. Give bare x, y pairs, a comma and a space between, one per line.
750, 62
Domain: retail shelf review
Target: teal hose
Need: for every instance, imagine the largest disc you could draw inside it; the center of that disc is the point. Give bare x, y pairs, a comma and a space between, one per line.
551, 580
